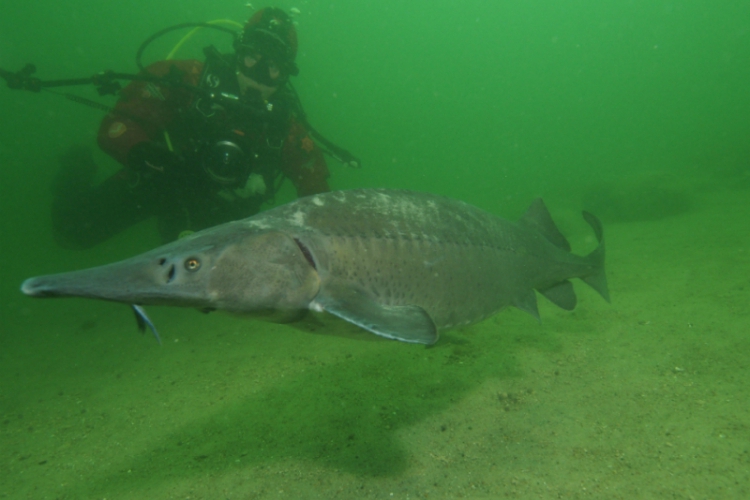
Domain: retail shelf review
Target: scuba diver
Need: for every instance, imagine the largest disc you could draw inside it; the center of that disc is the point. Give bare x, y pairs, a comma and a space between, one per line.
195, 159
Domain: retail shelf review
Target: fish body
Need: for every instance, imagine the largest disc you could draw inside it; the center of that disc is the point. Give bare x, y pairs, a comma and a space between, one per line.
400, 264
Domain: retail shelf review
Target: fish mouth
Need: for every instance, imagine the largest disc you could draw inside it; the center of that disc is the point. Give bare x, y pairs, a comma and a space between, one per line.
34, 287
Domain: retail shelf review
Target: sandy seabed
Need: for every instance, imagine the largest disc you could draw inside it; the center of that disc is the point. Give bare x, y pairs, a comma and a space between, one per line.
646, 397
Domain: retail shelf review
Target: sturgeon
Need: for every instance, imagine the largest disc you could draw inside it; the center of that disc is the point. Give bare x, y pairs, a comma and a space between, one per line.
403, 265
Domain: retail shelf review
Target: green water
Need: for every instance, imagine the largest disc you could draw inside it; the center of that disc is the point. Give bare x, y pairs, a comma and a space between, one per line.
634, 110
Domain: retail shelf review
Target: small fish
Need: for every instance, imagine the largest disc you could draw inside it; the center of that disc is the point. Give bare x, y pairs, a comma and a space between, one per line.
143, 320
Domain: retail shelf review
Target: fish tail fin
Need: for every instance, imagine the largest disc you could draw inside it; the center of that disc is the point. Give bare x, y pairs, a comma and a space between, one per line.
538, 218
597, 279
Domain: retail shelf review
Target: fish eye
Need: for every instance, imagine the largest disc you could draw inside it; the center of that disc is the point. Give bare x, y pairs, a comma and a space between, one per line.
192, 264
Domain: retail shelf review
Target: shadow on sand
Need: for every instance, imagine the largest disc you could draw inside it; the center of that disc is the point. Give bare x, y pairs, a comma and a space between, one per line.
344, 416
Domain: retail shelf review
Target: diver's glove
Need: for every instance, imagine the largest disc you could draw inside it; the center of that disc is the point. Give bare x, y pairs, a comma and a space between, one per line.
154, 160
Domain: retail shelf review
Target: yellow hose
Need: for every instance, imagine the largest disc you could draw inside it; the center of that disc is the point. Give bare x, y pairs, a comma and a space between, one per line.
179, 45
193, 31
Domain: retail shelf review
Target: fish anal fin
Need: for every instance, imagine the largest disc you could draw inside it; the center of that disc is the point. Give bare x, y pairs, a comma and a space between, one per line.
562, 295
526, 301
405, 323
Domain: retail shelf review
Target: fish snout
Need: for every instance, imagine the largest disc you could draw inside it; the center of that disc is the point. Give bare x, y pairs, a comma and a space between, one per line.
34, 287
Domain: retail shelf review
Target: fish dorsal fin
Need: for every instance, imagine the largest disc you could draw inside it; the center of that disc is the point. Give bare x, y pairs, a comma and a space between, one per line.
404, 323
538, 218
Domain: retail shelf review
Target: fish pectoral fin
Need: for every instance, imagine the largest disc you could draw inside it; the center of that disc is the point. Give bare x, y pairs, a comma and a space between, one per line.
404, 323
561, 294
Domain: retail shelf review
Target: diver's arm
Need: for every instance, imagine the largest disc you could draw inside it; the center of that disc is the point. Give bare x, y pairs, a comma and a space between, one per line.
145, 109
303, 162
